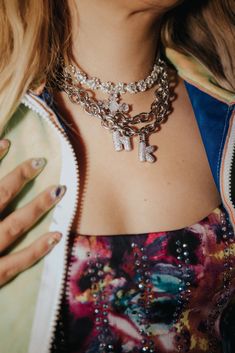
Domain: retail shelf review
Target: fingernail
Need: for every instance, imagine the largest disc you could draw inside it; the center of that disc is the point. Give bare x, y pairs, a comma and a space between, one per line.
58, 192
38, 163
54, 239
4, 144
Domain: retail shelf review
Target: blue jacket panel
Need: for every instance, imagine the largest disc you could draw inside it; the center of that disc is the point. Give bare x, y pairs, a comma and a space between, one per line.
213, 118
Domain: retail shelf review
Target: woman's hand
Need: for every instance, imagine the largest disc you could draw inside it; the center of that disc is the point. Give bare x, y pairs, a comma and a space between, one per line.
19, 221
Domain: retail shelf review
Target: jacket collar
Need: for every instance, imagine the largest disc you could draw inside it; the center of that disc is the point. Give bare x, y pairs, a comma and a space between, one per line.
194, 72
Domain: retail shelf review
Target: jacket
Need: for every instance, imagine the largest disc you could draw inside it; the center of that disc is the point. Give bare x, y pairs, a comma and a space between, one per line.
29, 304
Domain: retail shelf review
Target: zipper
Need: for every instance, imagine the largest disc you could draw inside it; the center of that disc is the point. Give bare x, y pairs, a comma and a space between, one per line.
229, 159
39, 107
230, 174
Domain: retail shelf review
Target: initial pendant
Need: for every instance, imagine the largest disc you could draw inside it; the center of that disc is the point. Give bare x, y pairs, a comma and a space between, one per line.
146, 152
120, 141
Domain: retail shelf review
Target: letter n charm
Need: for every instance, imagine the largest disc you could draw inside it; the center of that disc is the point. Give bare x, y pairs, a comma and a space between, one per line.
120, 141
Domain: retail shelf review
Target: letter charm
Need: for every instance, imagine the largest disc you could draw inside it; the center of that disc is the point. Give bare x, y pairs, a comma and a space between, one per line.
146, 152
121, 141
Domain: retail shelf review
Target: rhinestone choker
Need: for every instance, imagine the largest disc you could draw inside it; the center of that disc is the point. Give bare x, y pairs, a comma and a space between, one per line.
95, 83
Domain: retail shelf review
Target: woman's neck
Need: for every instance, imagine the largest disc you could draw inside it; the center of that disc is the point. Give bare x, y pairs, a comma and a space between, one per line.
113, 42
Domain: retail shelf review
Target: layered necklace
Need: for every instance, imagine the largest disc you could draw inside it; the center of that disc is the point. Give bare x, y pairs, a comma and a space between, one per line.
113, 112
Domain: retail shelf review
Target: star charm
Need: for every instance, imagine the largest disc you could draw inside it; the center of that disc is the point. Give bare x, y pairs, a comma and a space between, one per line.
114, 106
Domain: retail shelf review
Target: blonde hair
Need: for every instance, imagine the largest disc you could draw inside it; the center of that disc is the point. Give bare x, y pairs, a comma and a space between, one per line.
36, 32
205, 29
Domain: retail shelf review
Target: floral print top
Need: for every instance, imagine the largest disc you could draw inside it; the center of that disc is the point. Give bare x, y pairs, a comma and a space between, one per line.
166, 292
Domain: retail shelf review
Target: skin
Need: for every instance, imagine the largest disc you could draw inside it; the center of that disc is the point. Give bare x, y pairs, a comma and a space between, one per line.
116, 41
122, 34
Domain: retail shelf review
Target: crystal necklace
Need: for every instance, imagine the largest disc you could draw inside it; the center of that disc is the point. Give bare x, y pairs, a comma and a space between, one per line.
115, 116
115, 90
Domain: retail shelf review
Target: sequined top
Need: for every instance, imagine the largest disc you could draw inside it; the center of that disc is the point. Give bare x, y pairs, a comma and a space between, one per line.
170, 291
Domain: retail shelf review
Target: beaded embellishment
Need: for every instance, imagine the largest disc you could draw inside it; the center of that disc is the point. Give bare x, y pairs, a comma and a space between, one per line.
101, 307
222, 299
125, 278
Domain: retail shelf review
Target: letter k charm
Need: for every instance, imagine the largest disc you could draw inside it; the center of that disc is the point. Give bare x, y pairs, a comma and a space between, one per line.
146, 152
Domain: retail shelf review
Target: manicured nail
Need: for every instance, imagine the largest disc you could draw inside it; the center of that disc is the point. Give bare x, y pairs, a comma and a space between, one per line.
4, 144
54, 239
58, 192
38, 163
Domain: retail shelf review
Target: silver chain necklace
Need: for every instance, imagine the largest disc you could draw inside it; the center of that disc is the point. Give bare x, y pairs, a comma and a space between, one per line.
117, 119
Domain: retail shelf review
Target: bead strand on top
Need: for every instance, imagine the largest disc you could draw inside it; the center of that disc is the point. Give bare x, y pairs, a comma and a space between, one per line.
101, 306
144, 285
182, 338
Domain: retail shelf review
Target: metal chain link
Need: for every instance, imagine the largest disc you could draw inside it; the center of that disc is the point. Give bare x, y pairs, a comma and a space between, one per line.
122, 122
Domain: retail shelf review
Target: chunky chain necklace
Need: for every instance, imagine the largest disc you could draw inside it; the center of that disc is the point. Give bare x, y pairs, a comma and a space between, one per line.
114, 114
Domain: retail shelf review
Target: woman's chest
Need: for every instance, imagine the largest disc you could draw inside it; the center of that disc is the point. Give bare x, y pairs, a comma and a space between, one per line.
119, 194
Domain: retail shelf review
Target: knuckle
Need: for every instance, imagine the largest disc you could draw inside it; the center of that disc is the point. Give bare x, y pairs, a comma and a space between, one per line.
38, 209
15, 226
7, 273
25, 171
34, 254
45, 200
5, 195
40, 206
